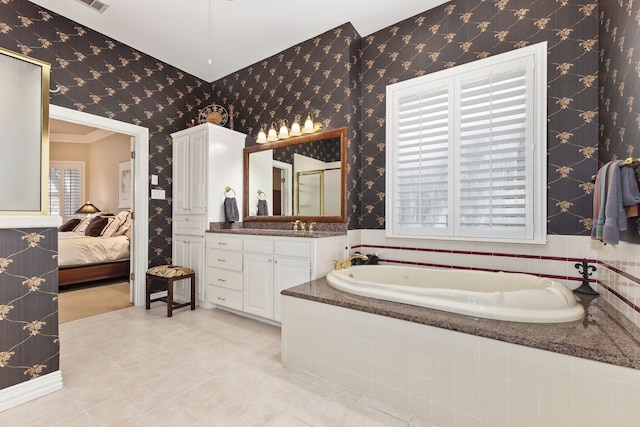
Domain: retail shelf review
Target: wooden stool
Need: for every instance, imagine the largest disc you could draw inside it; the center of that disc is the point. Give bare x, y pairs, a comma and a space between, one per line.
169, 274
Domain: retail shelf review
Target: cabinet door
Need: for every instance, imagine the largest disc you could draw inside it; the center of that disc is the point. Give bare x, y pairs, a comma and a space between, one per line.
258, 284
198, 153
180, 175
189, 251
197, 261
288, 272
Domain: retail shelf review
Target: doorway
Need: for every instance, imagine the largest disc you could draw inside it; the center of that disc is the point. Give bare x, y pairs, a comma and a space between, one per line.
139, 188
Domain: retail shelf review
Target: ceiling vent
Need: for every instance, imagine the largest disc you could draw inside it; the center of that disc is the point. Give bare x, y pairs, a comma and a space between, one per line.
96, 4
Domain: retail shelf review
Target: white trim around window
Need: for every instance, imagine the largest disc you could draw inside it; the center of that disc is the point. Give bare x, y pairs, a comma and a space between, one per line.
466, 151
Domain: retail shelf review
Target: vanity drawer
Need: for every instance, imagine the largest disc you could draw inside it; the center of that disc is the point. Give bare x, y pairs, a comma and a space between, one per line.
225, 278
224, 297
229, 260
261, 246
296, 248
223, 242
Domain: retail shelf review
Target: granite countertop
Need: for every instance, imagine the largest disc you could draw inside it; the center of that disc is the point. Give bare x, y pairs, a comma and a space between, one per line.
276, 232
603, 334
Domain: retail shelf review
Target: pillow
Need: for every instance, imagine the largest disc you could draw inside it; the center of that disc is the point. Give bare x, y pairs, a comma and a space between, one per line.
82, 226
95, 226
112, 226
70, 225
125, 222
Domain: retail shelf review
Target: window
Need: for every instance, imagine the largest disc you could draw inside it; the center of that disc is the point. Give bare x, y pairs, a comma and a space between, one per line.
66, 187
467, 150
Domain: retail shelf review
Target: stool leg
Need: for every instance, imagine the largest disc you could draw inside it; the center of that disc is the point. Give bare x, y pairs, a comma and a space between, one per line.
193, 292
148, 293
169, 297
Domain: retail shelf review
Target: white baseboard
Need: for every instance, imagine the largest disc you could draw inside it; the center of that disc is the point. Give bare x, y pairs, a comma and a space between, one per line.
18, 394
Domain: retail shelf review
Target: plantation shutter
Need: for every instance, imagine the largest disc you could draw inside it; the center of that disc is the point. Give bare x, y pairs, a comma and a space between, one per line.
422, 161
72, 188
493, 165
55, 191
65, 188
466, 150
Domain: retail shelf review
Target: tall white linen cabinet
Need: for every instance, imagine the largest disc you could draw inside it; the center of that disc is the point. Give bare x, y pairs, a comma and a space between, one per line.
206, 159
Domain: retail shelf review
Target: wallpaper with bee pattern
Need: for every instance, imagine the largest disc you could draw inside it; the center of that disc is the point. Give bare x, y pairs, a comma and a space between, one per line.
303, 78
29, 344
619, 86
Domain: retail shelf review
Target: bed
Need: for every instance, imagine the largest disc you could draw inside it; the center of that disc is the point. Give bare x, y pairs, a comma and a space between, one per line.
96, 248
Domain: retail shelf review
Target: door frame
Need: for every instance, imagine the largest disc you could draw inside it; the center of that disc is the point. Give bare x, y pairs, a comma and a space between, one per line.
140, 187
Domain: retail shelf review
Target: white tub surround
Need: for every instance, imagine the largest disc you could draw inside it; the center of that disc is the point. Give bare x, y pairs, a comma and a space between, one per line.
500, 296
454, 378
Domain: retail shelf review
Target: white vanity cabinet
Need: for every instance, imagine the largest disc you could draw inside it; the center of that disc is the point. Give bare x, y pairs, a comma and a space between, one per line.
206, 159
269, 265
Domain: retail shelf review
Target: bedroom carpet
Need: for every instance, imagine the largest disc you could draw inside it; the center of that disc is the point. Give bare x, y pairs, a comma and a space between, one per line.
80, 303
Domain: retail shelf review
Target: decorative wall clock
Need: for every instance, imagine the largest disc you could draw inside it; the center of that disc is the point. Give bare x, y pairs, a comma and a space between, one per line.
215, 114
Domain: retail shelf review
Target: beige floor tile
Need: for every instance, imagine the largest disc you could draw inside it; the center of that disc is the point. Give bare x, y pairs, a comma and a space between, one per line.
243, 411
163, 415
320, 407
207, 398
130, 402
136, 367
285, 420
177, 380
362, 415
44, 411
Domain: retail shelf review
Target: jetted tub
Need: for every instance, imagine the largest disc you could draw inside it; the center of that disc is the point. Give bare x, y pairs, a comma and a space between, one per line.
502, 296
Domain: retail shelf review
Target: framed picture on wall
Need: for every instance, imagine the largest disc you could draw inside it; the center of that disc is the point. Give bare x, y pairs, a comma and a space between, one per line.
124, 185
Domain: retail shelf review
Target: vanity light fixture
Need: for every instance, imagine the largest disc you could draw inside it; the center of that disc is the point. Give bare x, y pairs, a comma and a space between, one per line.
262, 136
272, 135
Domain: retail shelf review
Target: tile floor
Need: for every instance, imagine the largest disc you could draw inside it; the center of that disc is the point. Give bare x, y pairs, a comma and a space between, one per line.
134, 367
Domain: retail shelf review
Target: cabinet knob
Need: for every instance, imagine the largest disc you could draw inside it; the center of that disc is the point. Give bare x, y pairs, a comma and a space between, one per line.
222, 280
222, 244
222, 260
222, 298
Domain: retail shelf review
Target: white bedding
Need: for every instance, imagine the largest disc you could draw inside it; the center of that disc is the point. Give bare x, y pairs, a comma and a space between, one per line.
78, 249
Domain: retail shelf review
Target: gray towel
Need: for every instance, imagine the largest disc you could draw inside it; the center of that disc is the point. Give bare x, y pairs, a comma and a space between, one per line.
615, 218
263, 210
630, 193
231, 209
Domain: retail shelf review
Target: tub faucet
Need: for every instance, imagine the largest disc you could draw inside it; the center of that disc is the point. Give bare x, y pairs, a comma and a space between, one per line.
339, 265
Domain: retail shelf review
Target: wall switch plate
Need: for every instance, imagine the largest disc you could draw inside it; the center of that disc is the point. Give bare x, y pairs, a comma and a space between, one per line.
154, 179
157, 194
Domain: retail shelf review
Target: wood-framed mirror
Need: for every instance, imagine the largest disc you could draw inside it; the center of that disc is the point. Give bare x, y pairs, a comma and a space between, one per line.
301, 178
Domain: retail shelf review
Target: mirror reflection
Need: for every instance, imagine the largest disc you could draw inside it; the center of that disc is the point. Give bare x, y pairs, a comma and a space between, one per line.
298, 178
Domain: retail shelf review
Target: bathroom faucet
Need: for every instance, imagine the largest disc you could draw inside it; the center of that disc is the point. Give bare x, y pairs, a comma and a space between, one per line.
297, 224
339, 265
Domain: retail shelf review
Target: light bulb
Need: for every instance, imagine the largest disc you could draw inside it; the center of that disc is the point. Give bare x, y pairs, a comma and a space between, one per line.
262, 137
272, 135
295, 128
308, 125
284, 132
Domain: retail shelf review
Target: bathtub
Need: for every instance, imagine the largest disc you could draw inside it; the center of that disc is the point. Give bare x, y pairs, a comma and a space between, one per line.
502, 296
